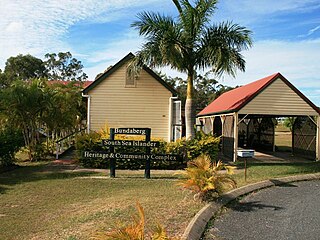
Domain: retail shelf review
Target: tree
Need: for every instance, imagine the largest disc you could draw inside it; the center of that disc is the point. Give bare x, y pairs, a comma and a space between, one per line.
190, 42
23, 105
289, 122
4, 81
206, 89
24, 67
35, 108
63, 66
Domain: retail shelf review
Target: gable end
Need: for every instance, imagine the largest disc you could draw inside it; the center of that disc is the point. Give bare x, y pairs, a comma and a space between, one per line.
118, 65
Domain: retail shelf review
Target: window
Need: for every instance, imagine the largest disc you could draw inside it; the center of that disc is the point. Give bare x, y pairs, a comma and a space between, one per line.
130, 80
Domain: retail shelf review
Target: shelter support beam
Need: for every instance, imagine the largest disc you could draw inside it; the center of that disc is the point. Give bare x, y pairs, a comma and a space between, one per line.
318, 139
235, 137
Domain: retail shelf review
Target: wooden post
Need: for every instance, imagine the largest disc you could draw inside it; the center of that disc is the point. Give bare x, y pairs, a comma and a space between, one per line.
148, 163
112, 161
235, 137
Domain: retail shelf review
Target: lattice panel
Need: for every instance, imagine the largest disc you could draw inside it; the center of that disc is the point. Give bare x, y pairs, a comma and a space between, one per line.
228, 136
304, 137
261, 134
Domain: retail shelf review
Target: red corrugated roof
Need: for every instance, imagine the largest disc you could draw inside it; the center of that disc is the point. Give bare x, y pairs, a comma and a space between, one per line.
235, 99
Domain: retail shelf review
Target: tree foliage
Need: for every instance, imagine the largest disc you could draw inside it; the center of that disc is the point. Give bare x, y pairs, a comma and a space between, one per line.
11, 141
288, 122
190, 42
206, 89
38, 109
63, 66
24, 67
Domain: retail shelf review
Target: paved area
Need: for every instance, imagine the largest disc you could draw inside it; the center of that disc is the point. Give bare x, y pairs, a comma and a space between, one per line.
289, 211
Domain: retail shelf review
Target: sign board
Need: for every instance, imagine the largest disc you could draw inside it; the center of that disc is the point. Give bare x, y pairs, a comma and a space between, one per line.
128, 143
132, 131
246, 153
134, 156
147, 144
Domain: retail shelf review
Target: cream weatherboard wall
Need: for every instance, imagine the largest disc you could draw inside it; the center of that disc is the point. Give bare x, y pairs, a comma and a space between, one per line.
278, 99
145, 105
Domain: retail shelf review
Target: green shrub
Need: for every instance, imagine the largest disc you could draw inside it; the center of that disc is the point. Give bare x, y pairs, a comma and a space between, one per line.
11, 141
201, 144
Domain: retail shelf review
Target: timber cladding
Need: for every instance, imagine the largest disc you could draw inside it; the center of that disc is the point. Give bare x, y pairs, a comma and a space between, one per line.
145, 105
278, 99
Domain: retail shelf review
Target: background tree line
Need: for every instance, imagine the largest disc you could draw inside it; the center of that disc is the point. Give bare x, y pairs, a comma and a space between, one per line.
206, 89
35, 111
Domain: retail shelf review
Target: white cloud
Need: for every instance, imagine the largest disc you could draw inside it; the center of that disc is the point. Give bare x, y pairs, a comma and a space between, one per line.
299, 62
38, 27
311, 31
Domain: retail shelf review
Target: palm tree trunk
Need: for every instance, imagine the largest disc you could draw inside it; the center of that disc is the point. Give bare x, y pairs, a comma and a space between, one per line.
189, 108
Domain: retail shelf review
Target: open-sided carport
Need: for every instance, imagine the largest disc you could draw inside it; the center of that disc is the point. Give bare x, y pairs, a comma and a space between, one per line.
245, 117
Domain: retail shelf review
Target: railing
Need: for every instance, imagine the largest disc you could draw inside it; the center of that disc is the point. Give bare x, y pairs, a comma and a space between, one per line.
65, 143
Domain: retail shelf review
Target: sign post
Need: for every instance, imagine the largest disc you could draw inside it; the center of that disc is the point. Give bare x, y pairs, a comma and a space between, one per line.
245, 154
148, 163
112, 161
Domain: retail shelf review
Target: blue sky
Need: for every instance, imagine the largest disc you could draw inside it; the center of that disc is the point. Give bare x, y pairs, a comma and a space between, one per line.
286, 34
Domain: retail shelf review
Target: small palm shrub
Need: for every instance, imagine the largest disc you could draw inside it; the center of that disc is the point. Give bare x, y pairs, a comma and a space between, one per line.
205, 178
135, 230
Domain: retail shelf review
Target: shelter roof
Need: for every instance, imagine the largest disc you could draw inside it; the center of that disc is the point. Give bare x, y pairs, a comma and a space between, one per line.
234, 100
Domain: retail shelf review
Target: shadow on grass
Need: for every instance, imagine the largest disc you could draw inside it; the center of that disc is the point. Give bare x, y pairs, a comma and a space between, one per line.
24, 174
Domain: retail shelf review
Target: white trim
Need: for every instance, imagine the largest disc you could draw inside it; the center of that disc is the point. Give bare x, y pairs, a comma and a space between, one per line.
170, 118
88, 111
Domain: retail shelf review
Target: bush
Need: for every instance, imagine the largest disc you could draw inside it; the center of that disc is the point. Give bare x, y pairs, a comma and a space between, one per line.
205, 179
187, 149
11, 141
190, 149
136, 230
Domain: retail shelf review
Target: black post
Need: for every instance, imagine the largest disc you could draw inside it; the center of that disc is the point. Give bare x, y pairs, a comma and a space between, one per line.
112, 161
245, 169
148, 164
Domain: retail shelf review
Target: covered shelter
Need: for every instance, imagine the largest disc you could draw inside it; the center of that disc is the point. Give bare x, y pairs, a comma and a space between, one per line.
245, 117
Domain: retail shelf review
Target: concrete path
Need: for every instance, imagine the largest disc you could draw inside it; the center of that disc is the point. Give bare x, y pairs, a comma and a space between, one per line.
289, 211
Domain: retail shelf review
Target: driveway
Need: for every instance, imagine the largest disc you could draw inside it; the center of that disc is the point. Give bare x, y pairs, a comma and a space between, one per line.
290, 211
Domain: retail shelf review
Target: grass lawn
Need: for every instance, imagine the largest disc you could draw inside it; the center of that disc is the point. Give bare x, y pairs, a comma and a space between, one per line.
40, 204
283, 141
262, 171
37, 204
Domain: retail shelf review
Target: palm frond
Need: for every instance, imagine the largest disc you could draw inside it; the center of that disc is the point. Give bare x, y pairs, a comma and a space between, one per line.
220, 48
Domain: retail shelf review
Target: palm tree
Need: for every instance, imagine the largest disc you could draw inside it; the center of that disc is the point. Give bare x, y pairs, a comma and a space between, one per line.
190, 43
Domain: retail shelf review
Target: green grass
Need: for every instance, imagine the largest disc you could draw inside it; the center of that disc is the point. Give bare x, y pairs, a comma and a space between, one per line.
40, 204
283, 141
37, 204
262, 171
